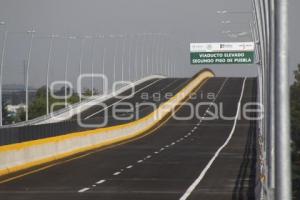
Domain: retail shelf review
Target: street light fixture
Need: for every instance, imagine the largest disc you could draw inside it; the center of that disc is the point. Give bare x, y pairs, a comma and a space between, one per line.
48, 70
31, 32
222, 11
1, 69
226, 32
226, 22
238, 34
66, 66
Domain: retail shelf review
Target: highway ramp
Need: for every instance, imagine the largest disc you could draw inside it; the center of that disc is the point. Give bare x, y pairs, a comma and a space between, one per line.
151, 93
194, 158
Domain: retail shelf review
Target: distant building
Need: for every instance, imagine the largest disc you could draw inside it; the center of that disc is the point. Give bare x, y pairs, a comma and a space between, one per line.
15, 108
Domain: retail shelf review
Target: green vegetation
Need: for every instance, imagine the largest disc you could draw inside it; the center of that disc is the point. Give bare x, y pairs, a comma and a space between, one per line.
38, 106
295, 128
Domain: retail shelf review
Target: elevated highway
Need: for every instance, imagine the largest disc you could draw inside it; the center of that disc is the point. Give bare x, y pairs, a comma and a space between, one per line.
193, 158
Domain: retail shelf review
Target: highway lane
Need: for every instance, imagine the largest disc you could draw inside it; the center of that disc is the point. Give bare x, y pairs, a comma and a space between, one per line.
164, 164
143, 102
110, 101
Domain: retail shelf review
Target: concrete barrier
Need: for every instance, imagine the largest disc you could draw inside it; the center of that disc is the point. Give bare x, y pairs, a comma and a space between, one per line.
66, 113
24, 155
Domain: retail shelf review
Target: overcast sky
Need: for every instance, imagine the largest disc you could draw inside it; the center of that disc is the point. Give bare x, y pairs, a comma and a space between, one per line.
184, 20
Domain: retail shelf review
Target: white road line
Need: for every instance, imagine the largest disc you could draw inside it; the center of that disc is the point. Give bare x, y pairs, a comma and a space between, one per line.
156, 152
99, 111
201, 176
83, 190
148, 156
129, 167
140, 161
101, 181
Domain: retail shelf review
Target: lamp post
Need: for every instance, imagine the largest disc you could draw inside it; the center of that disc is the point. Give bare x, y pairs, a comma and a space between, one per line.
66, 67
1, 69
93, 63
82, 44
99, 37
136, 59
152, 53
158, 46
31, 32
282, 120
142, 53
147, 56
122, 57
48, 70
103, 61
129, 56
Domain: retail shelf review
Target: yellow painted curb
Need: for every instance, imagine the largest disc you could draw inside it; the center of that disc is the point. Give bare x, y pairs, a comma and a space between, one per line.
198, 81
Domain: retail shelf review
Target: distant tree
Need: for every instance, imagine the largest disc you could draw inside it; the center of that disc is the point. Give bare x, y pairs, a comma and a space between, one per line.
21, 115
295, 107
295, 128
87, 92
38, 107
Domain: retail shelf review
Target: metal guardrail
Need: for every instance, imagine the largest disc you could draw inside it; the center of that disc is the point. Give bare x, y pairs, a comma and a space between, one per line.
44, 118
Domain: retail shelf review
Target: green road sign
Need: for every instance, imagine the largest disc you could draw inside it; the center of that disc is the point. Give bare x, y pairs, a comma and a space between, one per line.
222, 53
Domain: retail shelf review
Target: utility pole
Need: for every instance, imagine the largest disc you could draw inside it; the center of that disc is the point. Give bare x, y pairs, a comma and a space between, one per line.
32, 32
1, 72
282, 119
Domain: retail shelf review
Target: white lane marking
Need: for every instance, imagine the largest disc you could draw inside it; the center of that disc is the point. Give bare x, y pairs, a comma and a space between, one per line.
156, 152
140, 161
83, 190
99, 111
101, 181
129, 167
162, 149
94, 185
117, 173
148, 157
201, 176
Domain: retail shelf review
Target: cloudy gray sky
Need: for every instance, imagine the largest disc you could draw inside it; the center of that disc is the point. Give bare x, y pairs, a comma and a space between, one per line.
185, 21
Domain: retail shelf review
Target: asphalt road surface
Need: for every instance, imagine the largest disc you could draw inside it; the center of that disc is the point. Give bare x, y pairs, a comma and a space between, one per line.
141, 101
198, 158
